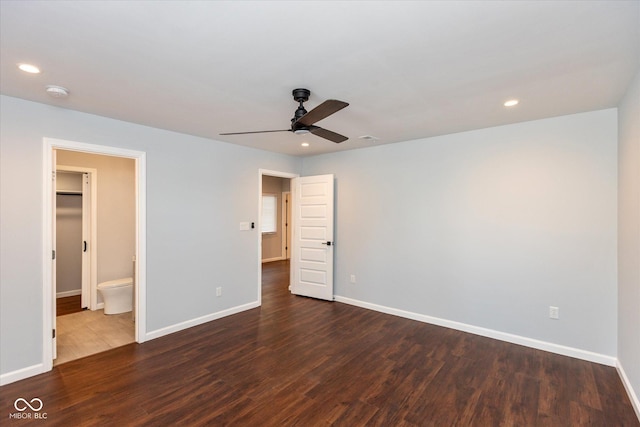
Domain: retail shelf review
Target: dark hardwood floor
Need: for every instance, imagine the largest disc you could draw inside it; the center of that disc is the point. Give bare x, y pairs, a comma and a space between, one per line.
299, 361
68, 305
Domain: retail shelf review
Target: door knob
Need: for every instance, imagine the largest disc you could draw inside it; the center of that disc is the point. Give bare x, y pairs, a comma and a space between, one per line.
327, 243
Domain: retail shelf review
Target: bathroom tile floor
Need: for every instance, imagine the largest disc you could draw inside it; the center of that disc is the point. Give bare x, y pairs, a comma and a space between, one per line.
90, 332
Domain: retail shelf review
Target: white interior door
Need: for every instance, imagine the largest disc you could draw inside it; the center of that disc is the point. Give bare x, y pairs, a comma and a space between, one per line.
86, 240
312, 240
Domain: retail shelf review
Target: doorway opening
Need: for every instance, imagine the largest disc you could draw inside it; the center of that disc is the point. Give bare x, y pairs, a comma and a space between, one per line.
76, 229
68, 157
88, 330
274, 220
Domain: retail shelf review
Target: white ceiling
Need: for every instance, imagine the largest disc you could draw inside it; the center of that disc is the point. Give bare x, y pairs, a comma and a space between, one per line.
408, 69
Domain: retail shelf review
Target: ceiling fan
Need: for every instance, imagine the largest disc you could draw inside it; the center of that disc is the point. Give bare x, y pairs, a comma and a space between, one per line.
303, 120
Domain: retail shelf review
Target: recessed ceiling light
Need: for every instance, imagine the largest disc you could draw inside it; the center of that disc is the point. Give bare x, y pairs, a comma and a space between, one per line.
305, 144
511, 103
28, 68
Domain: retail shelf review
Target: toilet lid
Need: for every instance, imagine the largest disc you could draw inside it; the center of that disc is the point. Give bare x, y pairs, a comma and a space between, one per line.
116, 283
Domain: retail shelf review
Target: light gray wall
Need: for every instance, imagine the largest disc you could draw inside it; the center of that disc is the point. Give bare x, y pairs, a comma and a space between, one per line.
488, 228
198, 191
629, 235
116, 216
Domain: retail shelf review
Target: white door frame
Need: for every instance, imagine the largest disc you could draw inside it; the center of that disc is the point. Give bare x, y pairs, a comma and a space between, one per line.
50, 144
286, 224
261, 173
89, 288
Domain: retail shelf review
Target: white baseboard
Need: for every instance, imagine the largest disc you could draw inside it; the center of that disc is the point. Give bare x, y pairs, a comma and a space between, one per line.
630, 391
199, 320
69, 293
21, 374
279, 258
490, 333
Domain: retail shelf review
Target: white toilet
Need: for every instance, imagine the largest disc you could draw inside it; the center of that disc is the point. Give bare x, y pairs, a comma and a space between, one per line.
117, 295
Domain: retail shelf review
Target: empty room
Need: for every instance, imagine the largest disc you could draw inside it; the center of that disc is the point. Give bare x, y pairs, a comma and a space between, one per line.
357, 213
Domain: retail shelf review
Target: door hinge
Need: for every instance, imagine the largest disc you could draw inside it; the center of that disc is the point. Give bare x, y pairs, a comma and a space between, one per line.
53, 254
54, 333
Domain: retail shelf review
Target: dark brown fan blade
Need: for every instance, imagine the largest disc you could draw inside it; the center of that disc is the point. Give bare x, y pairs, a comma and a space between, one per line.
256, 131
323, 110
327, 134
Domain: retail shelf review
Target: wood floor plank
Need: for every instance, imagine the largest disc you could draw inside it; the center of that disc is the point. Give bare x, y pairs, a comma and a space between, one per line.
296, 361
68, 305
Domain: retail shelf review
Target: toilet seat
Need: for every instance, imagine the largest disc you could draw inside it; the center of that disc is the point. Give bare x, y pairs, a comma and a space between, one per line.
118, 283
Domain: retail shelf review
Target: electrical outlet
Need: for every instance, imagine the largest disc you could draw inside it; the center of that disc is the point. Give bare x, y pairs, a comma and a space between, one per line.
554, 312
219, 291
352, 279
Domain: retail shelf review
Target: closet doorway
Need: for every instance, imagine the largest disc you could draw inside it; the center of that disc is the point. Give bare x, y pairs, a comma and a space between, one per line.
76, 267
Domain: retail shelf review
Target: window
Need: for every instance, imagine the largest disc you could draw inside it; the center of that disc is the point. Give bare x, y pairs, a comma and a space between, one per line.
269, 213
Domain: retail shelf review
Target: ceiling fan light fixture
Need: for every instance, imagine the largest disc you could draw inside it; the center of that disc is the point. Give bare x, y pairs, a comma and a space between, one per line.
303, 121
305, 144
